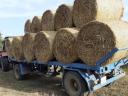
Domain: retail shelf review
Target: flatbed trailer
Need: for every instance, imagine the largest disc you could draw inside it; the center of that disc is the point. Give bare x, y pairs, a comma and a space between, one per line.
77, 78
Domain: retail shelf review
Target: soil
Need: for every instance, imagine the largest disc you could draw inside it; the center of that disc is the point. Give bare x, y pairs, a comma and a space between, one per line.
42, 86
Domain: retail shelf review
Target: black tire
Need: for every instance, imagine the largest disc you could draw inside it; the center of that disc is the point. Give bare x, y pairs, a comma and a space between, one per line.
17, 72
4, 64
74, 84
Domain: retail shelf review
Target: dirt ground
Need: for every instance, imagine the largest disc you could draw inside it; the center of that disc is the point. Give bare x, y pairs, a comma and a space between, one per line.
40, 86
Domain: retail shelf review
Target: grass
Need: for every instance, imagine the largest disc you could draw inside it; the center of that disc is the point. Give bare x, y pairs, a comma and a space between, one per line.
35, 85
41, 86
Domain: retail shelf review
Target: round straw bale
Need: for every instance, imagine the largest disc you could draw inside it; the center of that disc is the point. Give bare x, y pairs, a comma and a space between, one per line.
85, 11
27, 27
36, 24
63, 17
8, 46
64, 47
96, 39
47, 21
27, 45
43, 46
17, 48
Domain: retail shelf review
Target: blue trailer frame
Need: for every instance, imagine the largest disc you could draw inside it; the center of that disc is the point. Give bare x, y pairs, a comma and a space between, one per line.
95, 80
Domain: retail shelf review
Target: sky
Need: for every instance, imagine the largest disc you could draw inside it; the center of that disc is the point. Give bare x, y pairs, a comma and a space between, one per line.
14, 13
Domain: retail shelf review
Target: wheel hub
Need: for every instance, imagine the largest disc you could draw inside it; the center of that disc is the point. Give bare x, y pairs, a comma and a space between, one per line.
74, 85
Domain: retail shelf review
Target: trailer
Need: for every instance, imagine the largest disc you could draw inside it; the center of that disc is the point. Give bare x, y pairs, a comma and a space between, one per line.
77, 78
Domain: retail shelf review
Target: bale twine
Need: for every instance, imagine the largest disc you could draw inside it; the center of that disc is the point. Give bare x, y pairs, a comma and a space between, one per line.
36, 24
27, 27
17, 48
63, 17
27, 46
96, 39
47, 21
64, 47
43, 46
8, 46
85, 11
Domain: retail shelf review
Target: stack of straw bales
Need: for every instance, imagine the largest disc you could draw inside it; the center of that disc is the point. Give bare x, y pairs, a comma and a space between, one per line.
85, 31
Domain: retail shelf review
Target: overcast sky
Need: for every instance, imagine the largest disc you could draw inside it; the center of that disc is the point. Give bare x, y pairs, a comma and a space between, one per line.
14, 13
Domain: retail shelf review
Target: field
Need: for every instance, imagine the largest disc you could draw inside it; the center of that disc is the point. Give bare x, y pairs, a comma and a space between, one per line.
40, 86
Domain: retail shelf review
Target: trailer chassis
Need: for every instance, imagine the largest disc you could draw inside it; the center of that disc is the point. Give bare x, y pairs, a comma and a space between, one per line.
77, 78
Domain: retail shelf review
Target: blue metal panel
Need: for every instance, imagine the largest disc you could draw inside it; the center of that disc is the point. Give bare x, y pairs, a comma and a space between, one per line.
24, 68
115, 65
74, 65
105, 69
21, 69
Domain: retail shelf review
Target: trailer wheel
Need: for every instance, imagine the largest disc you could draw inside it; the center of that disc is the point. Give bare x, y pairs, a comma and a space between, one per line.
4, 64
74, 84
17, 72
